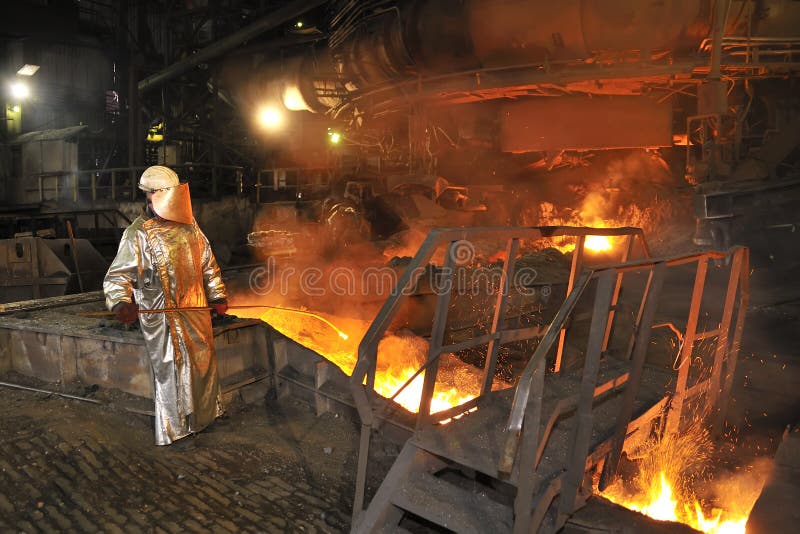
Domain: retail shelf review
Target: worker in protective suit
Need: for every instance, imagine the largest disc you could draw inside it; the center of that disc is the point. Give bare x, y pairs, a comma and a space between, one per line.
164, 262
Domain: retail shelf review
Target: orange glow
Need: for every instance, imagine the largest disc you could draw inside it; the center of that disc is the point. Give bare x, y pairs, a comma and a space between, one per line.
668, 469
586, 216
597, 243
660, 502
398, 358
386, 384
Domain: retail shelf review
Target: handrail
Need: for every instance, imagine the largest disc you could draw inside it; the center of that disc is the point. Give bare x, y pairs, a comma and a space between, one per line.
121, 178
362, 379
520, 402
367, 348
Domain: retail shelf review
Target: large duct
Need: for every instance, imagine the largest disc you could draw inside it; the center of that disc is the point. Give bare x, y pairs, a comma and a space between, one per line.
425, 38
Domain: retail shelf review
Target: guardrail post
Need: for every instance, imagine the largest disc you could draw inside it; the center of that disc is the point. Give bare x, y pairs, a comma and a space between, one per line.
626, 253
685, 357
582, 431
643, 335
575, 270
506, 284
133, 183
437, 334
719, 393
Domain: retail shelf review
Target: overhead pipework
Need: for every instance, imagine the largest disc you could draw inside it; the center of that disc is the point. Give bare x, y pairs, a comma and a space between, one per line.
388, 50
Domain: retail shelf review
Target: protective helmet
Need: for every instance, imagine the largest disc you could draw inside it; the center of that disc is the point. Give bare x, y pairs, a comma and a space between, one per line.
170, 198
158, 177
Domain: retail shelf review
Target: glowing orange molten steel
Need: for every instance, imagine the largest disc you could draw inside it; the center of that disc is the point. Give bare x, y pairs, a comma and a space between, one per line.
662, 487
598, 243
398, 358
661, 502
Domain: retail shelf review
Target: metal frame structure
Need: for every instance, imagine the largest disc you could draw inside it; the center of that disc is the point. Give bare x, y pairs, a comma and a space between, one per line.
530, 421
123, 182
363, 377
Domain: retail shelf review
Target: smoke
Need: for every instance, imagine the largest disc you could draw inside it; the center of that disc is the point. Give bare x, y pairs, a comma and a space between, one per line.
738, 490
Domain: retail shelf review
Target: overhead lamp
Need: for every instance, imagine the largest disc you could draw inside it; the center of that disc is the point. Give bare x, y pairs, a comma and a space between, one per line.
269, 117
293, 99
334, 137
19, 90
28, 70
298, 24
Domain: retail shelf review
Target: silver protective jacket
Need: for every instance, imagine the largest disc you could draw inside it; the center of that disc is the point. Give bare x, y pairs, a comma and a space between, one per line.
165, 265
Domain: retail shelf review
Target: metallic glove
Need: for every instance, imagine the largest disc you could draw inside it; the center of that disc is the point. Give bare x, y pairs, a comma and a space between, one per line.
219, 306
126, 312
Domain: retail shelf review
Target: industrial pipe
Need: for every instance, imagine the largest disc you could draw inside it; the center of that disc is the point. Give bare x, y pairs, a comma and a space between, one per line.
274, 19
720, 17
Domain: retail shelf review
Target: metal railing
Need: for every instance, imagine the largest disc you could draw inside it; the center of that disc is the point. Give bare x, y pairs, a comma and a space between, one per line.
363, 377
527, 401
120, 184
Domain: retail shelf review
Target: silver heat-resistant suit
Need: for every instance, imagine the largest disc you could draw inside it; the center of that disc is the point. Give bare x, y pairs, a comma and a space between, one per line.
164, 265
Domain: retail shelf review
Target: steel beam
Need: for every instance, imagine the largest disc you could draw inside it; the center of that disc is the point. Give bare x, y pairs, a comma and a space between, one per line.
226, 44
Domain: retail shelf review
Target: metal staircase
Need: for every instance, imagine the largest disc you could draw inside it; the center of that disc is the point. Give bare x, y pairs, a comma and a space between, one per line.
524, 458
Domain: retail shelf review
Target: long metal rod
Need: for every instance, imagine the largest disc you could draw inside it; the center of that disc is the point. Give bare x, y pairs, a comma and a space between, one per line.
720, 17
37, 390
74, 397
274, 19
75, 254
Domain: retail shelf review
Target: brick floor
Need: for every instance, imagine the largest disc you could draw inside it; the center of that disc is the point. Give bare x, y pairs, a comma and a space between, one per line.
67, 466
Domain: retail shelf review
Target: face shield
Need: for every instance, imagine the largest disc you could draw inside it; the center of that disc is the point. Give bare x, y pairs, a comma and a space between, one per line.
173, 203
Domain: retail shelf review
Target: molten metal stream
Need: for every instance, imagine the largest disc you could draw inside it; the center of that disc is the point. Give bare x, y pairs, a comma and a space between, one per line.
398, 358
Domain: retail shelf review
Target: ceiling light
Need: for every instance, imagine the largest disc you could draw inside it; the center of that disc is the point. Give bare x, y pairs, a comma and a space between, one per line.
28, 70
334, 137
19, 90
269, 117
293, 99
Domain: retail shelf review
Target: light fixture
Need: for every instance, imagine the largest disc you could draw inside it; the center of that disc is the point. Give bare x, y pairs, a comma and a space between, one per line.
28, 70
293, 99
334, 137
298, 24
269, 118
19, 90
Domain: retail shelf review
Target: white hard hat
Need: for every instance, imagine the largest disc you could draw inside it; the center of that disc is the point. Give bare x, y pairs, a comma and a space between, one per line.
158, 177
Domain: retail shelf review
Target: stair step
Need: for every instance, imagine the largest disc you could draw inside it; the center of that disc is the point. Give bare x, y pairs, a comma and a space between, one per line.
454, 508
477, 439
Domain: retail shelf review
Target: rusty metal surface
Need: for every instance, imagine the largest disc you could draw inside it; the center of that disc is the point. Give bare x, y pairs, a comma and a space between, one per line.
583, 123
